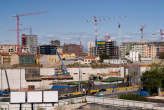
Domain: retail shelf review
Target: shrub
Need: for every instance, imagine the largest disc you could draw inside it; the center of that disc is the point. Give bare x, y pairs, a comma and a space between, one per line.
132, 97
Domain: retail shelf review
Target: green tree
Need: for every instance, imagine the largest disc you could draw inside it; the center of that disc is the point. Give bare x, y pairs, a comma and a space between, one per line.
103, 56
161, 55
152, 79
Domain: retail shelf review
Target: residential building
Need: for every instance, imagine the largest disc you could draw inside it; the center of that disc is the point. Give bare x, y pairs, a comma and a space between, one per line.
115, 61
134, 56
145, 49
5, 58
73, 48
90, 59
68, 56
6, 48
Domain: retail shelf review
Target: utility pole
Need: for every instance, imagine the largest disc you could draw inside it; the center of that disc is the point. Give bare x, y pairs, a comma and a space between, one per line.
79, 88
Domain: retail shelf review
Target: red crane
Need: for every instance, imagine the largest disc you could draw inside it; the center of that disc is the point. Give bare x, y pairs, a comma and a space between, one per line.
18, 30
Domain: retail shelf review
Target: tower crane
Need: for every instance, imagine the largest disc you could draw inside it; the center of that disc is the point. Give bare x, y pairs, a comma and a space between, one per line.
142, 29
17, 16
96, 20
161, 34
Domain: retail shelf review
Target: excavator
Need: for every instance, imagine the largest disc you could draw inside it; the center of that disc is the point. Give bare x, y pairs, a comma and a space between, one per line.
61, 73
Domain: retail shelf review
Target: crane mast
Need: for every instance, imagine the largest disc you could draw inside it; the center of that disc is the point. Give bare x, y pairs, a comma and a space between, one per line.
18, 30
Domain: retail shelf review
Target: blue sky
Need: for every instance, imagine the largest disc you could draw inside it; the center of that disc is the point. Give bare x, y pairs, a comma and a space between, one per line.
66, 19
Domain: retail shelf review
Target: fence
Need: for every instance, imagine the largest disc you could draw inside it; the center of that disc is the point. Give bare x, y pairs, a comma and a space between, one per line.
8, 106
124, 103
120, 103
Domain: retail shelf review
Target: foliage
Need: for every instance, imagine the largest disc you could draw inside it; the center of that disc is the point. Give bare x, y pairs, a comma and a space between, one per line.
133, 97
99, 65
112, 79
152, 79
161, 55
74, 82
73, 65
104, 56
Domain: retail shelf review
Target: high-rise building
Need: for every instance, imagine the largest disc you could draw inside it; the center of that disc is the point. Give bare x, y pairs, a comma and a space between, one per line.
107, 47
112, 49
55, 42
91, 48
101, 48
30, 42
73, 48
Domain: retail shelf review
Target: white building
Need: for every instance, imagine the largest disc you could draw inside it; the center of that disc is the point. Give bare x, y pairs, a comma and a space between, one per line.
134, 56
114, 61
91, 48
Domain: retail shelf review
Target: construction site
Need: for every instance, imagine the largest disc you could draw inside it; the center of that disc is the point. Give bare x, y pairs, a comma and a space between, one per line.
75, 58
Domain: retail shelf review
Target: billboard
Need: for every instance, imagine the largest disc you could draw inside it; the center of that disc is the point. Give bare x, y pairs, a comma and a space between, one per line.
34, 97
17, 97
50, 96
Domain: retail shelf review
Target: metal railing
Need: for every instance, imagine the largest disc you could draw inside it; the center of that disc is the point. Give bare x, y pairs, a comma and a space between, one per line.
124, 103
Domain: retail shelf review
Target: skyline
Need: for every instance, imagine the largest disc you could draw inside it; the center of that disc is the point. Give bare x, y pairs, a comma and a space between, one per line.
66, 20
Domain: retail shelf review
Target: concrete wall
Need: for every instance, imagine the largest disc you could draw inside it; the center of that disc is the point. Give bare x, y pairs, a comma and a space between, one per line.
17, 76
86, 72
17, 79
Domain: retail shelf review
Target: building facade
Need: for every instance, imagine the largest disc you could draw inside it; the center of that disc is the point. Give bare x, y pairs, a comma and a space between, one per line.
109, 48
72, 48
91, 49
30, 43
47, 49
48, 60
8, 48
145, 49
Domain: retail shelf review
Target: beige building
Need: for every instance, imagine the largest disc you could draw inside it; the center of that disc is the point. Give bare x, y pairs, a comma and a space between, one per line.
5, 58
14, 59
150, 51
145, 49
8, 48
68, 55
48, 60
